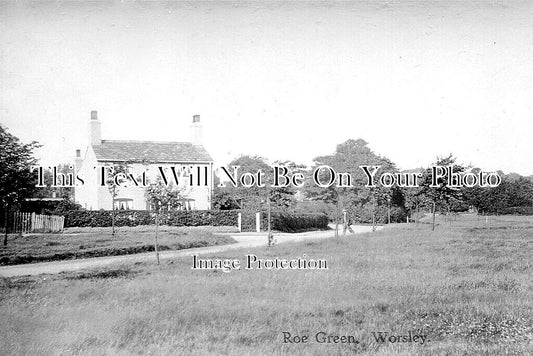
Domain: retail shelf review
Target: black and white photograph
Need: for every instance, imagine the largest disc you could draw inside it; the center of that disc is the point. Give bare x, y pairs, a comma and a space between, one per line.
266, 177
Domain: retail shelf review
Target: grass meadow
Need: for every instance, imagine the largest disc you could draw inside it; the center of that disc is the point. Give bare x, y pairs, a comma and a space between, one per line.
468, 285
97, 242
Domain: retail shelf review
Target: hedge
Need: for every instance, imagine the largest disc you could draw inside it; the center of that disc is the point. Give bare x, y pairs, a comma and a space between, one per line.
288, 222
103, 218
517, 210
280, 221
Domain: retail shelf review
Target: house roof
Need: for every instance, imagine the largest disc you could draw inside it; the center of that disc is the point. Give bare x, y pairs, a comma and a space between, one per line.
150, 151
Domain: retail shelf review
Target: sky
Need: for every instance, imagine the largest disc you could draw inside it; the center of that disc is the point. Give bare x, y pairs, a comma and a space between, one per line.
284, 80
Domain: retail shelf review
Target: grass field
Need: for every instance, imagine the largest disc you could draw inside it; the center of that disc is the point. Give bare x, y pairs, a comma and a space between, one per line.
97, 242
467, 287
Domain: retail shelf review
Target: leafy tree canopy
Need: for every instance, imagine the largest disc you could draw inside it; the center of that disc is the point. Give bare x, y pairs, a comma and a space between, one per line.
443, 196
16, 158
253, 198
358, 200
163, 197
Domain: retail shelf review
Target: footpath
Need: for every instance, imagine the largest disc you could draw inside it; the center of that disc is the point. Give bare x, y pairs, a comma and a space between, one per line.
244, 241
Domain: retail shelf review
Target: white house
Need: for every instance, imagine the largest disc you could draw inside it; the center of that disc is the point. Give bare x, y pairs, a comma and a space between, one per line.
142, 156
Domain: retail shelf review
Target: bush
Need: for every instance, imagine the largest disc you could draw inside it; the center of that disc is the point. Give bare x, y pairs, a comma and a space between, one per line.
103, 218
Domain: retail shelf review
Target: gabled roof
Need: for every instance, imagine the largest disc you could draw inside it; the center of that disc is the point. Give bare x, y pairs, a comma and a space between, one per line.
150, 151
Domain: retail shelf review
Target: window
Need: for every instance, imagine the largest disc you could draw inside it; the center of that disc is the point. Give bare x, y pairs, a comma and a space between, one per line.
123, 204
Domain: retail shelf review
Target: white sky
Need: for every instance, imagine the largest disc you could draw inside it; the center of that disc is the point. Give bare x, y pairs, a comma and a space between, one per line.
282, 80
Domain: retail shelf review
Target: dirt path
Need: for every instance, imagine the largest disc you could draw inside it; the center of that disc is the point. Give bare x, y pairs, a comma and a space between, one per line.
244, 240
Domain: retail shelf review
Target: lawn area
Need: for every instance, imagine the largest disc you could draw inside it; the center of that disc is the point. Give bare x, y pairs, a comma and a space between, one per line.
468, 288
96, 242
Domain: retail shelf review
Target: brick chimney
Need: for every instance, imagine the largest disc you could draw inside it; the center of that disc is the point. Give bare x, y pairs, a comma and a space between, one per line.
197, 131
78, 161
95, 130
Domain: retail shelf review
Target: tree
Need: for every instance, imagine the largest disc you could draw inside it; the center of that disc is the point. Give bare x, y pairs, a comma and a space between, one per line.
162, 198
361, 203
60, 192
414, 200
253, 198
16, 179
514, 191
66, 205
114, 184
444, 195
222, 198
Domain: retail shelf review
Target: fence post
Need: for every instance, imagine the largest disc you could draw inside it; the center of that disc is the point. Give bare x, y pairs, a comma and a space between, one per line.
15, 222
21, 223
239, 222
257, 222
27, 222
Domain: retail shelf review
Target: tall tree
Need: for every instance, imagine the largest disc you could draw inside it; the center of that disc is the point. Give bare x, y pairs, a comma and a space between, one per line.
443, 195
253, 198
361, 203
60, 192
16, 180
223, 199
514, 191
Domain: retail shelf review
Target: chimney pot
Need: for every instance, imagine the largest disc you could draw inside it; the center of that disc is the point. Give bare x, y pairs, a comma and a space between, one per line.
78, 161
95, 131
196, 130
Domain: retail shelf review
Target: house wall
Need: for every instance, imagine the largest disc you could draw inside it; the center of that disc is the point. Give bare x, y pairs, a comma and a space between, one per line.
86, 195
200, 193
93, 196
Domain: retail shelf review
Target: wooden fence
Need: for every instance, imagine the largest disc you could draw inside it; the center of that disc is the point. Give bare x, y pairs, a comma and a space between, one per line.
30, 222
